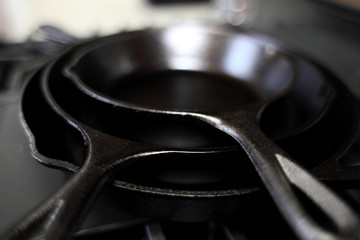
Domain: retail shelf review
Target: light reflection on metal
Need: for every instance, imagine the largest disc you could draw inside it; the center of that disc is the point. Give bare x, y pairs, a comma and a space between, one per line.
241, 58
183, 41
185, 63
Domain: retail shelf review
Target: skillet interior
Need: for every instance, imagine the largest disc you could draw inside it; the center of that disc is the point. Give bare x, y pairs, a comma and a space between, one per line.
169, 131
212, 70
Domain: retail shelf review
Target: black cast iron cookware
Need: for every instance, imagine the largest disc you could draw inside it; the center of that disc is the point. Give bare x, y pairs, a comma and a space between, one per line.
312, 132
197, 194
56, 217
264, 74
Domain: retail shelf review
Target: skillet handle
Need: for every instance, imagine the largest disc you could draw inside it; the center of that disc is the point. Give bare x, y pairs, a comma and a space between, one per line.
277, 172
57, 216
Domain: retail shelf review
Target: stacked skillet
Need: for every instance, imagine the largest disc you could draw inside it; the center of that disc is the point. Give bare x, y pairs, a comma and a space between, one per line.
190, 122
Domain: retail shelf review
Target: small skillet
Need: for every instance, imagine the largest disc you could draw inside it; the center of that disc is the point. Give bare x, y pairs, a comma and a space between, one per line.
262, 82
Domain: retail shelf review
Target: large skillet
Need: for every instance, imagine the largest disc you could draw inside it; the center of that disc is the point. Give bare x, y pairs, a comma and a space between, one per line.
171, 192
57, 216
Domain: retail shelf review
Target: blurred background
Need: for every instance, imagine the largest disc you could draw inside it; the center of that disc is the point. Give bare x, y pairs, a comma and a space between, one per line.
82, 18
327, 30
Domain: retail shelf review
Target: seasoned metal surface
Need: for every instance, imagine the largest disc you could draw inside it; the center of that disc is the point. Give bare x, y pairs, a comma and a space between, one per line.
270, 82
269, 76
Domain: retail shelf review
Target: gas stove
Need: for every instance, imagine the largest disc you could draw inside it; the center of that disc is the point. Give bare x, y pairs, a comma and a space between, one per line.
25, 183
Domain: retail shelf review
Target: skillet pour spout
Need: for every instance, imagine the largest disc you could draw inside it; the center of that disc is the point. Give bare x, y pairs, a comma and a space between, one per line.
256, 66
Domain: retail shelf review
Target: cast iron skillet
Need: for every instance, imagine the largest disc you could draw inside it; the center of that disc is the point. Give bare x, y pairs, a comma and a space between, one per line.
56, 217
264, 75
168, 192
